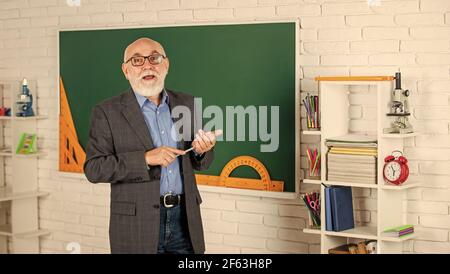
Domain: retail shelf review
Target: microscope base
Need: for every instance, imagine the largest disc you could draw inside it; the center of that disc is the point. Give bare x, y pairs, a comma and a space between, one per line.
398, 130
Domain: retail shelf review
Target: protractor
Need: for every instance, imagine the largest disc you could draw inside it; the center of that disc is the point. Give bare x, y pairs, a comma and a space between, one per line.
246, 161
264, 183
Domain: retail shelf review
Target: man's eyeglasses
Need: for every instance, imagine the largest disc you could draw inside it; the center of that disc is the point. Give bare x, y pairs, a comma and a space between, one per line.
154, 59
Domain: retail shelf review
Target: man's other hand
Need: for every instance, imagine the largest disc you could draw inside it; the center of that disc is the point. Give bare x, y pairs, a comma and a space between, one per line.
205, 141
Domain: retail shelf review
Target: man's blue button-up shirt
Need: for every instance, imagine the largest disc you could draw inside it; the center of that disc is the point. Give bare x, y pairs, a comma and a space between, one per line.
159, 123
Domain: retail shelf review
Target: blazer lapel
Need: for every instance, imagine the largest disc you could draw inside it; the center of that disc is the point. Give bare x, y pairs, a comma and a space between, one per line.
134, 116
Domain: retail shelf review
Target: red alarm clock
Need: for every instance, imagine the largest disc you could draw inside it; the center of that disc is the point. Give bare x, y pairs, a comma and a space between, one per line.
395, 170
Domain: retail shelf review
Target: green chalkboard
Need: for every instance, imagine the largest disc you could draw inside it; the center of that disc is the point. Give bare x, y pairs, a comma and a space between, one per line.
225, 65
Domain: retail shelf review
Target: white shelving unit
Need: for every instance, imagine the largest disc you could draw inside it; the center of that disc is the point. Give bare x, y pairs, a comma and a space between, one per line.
334, 105
19, 222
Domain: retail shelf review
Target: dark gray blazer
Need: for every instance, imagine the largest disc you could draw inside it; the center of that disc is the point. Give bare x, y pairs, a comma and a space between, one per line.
118, 139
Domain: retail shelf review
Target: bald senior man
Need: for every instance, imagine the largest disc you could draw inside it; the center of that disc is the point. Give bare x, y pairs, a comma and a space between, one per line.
155, 202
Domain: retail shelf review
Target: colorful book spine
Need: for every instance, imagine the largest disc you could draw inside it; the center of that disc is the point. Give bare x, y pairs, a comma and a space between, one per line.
328, 215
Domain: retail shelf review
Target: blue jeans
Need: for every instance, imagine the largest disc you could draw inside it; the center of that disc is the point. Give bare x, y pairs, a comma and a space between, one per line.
173, 231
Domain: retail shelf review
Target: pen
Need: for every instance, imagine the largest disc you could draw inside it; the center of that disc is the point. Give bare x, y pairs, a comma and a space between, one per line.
308, 111
316, 103
311, 98
316, 162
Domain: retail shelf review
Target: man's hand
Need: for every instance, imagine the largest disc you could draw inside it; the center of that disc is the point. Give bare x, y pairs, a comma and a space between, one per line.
205, 141
162, 156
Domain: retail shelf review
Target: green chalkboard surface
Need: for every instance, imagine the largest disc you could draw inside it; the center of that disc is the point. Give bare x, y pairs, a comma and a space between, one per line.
226, 65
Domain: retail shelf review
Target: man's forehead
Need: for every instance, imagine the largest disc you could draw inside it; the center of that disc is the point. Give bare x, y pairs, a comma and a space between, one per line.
143, 46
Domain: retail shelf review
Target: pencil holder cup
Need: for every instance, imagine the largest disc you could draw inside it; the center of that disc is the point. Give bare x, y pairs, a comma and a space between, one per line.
314, 164
314, 174
311, 223
311, 105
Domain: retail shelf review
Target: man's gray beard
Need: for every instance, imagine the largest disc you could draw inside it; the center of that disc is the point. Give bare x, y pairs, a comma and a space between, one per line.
148, 91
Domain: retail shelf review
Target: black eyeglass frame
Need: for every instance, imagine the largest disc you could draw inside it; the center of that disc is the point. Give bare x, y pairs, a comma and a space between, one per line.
146, 58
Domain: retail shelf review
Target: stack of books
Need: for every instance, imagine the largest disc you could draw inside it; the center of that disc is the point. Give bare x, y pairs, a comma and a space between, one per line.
399, 231
352, 158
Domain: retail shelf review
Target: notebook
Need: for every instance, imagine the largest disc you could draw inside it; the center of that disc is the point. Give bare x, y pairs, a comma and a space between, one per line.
341, 208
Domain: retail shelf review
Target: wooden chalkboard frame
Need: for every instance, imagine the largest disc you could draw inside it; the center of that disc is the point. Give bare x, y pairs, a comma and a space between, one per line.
286, 195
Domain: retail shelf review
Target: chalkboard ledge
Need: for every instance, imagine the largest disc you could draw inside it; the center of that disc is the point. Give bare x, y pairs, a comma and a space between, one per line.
213, 189
248, 192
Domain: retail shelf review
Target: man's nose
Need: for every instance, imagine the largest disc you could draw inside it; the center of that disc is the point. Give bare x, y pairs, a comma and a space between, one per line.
147, 65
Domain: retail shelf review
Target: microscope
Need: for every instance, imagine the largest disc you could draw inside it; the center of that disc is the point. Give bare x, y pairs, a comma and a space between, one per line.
399, 109
25, 102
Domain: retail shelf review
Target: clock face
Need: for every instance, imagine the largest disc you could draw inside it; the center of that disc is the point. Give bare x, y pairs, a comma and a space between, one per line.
392, 171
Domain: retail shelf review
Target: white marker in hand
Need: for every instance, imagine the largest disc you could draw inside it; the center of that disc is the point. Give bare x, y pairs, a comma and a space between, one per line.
216, 133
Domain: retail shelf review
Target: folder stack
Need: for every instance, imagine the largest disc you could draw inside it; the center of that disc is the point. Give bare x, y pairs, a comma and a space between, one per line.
352, 158
399, 231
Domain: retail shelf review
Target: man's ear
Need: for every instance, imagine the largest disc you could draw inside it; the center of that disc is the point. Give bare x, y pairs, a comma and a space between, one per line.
125, 70
168, 64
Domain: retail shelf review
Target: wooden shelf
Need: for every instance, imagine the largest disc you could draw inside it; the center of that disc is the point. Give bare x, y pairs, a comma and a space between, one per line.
354, 78
311, 132
32, 234
361, 232
348, 83
38, 117
7, 195
398, 239
6, 152
5, 230
312, 231
399, 136
406, 185
37, 154
362, 185
313, 182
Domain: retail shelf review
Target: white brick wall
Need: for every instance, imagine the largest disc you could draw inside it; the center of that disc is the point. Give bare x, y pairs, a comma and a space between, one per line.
338, 37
